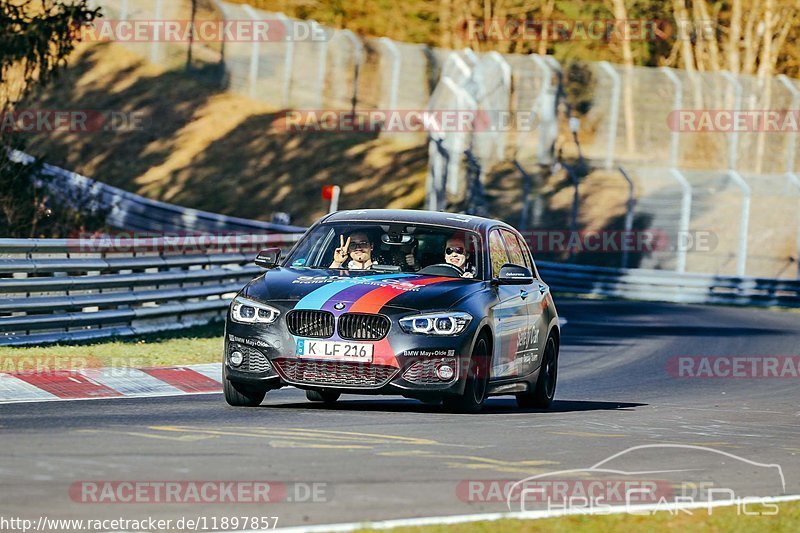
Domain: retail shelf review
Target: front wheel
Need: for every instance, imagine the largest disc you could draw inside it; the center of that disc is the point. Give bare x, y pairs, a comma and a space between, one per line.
477, 382
325, 397
239, 395
545, 390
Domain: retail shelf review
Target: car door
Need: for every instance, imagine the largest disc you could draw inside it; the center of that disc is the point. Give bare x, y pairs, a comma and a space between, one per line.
531, 342
510, 313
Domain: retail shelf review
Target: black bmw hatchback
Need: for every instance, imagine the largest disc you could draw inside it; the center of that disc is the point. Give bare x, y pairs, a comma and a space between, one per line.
434, 306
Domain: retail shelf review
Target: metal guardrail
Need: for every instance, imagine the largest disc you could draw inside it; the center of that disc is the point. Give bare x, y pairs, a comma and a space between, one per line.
668, 286
57, 290
133, 212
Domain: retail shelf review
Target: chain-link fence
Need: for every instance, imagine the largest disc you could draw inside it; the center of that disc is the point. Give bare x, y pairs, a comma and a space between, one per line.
692, 166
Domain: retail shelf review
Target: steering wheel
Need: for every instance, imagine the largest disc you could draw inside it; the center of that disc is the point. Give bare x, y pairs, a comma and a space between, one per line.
442, 269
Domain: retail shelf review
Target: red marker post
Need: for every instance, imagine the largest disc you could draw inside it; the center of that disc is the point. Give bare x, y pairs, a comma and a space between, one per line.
331, 193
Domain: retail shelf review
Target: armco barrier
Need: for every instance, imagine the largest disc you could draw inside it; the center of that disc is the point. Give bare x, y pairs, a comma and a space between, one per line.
131, 211
55, 290
668, 286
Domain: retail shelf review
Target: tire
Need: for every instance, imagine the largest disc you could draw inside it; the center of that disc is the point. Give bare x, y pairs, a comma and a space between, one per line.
545, 390
325, 397
477, 382
239, 395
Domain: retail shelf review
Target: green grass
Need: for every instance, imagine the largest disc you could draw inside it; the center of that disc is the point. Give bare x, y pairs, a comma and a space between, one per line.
722, 519
200, 344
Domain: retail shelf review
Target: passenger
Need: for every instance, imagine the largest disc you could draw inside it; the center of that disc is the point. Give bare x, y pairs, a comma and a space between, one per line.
456, 254
357, 248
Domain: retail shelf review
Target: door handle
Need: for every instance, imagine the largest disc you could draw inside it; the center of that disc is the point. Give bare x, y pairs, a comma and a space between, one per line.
543, 289
523, 294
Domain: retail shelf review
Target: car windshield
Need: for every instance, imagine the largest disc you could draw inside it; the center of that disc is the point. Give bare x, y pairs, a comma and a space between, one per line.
391, 247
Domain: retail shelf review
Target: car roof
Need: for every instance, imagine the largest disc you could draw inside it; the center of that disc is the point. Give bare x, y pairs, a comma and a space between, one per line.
412, 216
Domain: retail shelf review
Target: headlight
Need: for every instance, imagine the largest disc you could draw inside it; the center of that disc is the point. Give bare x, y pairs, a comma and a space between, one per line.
436, 323
247, 311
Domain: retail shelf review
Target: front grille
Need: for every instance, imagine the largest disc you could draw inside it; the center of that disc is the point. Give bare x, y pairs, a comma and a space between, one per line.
315, 324
357, 327
253, 359
334, 373
424, 370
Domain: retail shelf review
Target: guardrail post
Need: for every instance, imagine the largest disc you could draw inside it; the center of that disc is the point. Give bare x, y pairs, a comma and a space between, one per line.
394, 77
686, 213
743, 226
733, 138
613, 111
628, 214
795, 105
793, 178
254, 54
677, 102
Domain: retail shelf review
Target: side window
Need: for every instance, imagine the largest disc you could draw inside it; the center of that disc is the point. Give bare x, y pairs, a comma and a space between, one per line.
515, 252
497, 249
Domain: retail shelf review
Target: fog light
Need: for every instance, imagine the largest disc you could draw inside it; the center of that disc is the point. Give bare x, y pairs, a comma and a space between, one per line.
445, 372
236, 358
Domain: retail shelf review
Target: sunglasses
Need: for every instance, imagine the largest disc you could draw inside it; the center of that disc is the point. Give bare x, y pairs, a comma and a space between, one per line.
359, 244
454, 250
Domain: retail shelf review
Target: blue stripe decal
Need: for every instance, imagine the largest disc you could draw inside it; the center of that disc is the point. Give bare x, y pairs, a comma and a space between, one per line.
317, 298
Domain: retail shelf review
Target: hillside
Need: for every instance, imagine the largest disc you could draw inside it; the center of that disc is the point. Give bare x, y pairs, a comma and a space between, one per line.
201, 146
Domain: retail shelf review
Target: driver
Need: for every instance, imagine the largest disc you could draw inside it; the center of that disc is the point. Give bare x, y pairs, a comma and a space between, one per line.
357, 248
455, 253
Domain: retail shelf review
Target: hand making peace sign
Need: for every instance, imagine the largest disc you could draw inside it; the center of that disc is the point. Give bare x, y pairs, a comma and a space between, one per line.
341, 254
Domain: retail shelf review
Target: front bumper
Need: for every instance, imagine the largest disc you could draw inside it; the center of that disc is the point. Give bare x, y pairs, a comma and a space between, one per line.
270, 362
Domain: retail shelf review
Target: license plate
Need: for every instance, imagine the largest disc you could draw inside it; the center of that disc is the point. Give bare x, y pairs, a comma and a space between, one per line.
335, 351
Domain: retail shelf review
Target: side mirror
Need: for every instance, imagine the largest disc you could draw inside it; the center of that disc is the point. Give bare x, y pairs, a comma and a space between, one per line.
268, 258
514, 275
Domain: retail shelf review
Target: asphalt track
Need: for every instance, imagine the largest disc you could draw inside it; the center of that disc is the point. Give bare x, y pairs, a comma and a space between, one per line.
383, 458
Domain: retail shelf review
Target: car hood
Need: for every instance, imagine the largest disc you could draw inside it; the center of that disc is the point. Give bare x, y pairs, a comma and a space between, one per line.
338, 290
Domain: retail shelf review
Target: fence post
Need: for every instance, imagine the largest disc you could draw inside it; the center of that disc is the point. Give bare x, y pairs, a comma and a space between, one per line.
254, 55
288, 59
686, 213
792, 152
674, 142
544, 120
628, 214
733, 139
793, 178
322, 60
357, 52
394, 78
527, 182
743, 226
613, 111
155, 46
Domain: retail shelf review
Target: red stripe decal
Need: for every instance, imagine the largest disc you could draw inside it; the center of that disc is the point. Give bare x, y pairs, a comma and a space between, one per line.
68, 384
373, 301
184, 379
